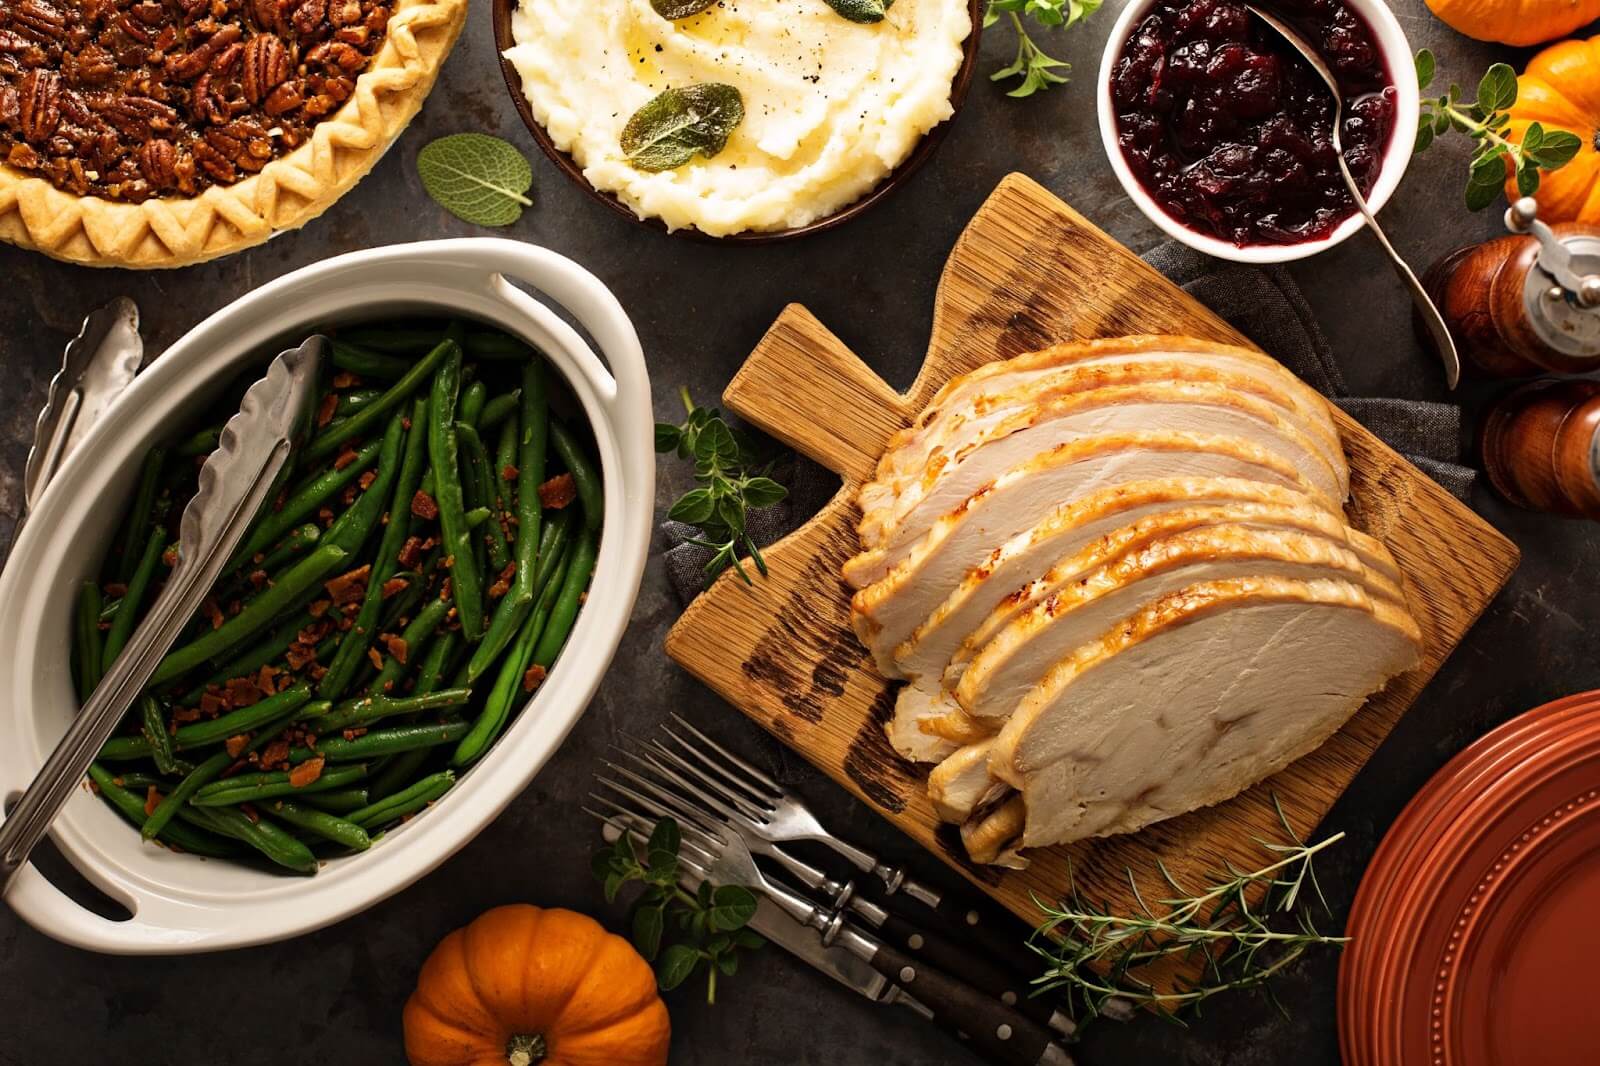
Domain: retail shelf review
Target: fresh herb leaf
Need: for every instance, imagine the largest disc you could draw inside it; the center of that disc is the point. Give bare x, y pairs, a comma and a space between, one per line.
478, 178
729, 487
677, 963
648, 922
681, 123
861, 10
680, 9
1487, 122
1037, 69
732, 907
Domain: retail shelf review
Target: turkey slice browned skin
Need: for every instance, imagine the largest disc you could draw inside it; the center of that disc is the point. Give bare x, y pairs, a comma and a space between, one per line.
1033, 430
962, 783
1087, 603
1195, 698
929, 725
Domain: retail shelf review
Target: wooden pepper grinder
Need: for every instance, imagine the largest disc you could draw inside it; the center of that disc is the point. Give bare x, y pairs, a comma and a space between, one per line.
1525, 304
1541, 446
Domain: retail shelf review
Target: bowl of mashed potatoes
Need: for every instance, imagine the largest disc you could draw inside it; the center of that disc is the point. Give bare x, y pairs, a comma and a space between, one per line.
747, 120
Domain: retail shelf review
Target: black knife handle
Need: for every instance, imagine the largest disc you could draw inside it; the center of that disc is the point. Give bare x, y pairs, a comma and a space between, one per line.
974, 968
1002, 1035
989, 928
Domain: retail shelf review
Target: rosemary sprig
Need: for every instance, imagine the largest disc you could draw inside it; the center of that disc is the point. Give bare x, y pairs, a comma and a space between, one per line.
1486, 120
1036, 69
1100, 958
730, 486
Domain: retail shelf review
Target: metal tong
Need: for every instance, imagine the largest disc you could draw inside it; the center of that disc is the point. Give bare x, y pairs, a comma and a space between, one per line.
238, 479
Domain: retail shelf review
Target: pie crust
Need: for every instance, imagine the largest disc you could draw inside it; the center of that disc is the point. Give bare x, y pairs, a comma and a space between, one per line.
287, 193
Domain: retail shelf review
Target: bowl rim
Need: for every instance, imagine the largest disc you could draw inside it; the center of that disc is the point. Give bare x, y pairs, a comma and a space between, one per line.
1397, 54
184, 904
501, 12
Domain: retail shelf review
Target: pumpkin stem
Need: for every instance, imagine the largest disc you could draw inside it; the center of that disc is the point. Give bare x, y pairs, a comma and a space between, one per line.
525, 1049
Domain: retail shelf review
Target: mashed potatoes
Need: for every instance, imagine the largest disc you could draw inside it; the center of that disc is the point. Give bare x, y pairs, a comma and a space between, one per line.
831, 106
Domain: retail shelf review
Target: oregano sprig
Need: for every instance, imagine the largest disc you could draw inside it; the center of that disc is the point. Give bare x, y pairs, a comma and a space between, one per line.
730, 486
711, 923
1033, 65
1486, 120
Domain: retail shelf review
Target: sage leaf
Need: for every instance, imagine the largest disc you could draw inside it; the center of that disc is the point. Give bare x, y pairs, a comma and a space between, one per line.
680, 9
681, 123
866, 11
477, 178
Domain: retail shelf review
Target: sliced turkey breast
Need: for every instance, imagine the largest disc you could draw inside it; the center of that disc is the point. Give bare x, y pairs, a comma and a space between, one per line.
1090, 530
974, 395
1016, 499
991, 836
950, 477
1193, 699
962, 783
930, 726
1086, 605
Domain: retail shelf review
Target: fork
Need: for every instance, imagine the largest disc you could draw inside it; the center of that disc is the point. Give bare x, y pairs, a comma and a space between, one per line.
1006, 1037
671, 792
767, 811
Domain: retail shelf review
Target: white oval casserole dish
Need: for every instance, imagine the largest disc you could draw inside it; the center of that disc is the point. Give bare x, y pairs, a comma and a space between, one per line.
182, 903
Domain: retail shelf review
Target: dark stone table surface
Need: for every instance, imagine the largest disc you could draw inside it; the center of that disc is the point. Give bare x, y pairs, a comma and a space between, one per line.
335, 996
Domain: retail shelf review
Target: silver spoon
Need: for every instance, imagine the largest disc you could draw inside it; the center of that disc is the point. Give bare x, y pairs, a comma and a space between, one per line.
1431, 318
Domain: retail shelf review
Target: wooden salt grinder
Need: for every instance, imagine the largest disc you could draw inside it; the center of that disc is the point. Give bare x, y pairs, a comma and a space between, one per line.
1525, 304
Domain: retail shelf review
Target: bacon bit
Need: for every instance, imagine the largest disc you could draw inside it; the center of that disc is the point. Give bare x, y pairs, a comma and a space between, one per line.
444, 589
366, 480
349, 495
94, 786
258, 578
330, 403
325, 515
236, 744
447, 563
345, 458
265, 679
213, 613
508, 473
376, 657
319, 608
502, 584
533, 678
306, 773
349, 587
299, 655
424, 507
210, 705
243, 692
406, 422
397, 648
170, 556
318, 672
354, 731
344, 379
558, 491
393, 586
152, 800
251, 813
275, 754
115, 589
410, 552
186, 714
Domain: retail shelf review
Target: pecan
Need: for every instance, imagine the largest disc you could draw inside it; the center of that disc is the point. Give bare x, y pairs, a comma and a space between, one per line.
309, 16
344, 12
41, 21
191, 66
224, 60
337, 55
139, 117
207, 105
216, 165
94, 66
266, 66
267, 14
39, 111
10, 105
284, 98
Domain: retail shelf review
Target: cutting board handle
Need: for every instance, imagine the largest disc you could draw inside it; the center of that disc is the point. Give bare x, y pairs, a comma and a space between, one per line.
803, 386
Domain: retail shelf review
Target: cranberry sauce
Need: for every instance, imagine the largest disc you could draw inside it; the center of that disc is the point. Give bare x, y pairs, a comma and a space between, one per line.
1230, 130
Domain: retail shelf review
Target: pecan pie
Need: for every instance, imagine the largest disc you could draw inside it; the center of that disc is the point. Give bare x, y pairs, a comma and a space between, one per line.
165, 132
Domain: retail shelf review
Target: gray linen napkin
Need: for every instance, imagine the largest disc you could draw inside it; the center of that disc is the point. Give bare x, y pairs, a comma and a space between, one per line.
1264, 304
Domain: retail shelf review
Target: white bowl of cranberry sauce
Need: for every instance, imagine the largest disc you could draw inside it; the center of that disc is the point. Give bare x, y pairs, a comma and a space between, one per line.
1221, 133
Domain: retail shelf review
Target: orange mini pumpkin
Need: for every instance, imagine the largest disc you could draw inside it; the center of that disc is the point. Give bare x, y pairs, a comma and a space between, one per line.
1560, 89
1517, 22
521, 986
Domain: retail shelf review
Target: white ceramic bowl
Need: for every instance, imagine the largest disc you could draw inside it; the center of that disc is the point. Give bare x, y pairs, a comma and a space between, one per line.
182, 903
1397, 54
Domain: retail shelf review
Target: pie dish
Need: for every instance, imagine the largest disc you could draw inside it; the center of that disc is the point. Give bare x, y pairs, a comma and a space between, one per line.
120, 146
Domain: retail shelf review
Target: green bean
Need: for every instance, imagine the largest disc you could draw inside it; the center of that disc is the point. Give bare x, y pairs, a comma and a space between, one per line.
131, 807
128, 615
368, 363
505, 458
263, 835
154, 727
479, 482
443, 452
499, 409
248, 788
133, 780
354, 400
305, 576
259, 654
383, 742
216, 730
398, 772
322, 824
130, 542
304, 500
477, 517
295, 544
405, 340
429, 618
328, 442
352, 528
584, 475
473, 397
369, 709
565, 611
431, 670
347, 660
201, 442
178, 796
90, 652
493, 344
408, 801
339, 800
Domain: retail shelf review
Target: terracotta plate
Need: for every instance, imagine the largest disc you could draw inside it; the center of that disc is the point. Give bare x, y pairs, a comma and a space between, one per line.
1474, 933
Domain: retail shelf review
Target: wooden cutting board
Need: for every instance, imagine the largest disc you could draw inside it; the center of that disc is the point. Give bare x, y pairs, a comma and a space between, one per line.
1028, 272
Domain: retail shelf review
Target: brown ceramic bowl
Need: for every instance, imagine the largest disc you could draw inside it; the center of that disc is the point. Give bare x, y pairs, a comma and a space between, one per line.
958, 93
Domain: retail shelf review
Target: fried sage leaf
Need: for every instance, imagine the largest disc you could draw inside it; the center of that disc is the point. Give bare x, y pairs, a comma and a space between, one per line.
680, 123
680, 9
862, 10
